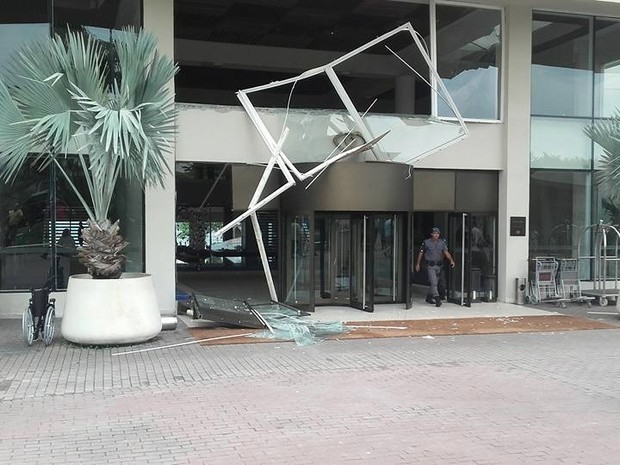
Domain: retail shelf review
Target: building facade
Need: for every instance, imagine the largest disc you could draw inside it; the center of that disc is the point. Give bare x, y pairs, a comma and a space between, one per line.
526, 76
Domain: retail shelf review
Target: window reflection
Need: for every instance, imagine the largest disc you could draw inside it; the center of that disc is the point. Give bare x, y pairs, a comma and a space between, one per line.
287, 38
21, 21
96, 17
469, 58
606, 67
205, 203
298, 260
25, 255
561, 65
40, 216
14, 36
560, 143
555, 231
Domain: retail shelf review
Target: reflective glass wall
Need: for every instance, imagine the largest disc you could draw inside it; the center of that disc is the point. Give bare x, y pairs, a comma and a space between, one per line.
469, 54
40, 216
223, 46
575, 81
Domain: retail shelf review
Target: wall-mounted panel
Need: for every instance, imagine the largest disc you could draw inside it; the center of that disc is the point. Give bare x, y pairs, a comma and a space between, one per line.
354, 187
433, 190
476, 191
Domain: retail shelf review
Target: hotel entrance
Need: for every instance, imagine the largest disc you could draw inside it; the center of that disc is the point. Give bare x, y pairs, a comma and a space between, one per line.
348, 259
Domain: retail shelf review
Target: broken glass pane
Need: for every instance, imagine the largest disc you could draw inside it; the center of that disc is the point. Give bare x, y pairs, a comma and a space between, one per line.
288, 324
400, 60
227, 311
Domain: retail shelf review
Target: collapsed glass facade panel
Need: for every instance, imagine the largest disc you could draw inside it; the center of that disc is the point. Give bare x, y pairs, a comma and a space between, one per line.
39, 205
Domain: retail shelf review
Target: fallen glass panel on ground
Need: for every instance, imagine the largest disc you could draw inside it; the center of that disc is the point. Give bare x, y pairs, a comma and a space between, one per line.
278, 321
227, 311
289, 324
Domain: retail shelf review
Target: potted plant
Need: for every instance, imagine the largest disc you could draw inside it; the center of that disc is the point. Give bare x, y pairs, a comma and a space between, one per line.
109, 106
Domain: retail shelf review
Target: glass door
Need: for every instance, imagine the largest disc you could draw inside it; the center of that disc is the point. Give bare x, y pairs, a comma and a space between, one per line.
332, 239
459, 282
471, 240
388, 257
484, 257
298, 263
362, 263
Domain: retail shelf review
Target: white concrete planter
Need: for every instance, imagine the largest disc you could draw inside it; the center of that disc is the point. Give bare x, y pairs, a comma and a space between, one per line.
111, 311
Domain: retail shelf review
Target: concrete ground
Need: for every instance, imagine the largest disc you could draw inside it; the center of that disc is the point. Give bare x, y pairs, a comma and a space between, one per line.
549, 398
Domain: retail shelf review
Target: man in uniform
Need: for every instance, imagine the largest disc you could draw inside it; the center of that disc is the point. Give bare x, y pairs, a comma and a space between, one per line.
433, 250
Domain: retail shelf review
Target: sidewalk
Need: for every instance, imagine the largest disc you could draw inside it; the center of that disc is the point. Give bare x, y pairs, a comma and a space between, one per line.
494, 399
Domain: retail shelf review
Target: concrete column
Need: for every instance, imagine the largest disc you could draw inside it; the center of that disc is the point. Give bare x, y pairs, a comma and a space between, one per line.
514, 179
160, 203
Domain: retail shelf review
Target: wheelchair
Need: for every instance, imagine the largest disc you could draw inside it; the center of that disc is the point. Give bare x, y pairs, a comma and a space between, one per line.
38, 317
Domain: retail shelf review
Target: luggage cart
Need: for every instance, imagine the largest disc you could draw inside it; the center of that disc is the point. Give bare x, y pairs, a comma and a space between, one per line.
543, 285
570, 286
604, 263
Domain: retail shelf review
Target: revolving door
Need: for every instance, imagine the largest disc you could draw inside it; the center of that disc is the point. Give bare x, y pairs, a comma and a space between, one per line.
353, 259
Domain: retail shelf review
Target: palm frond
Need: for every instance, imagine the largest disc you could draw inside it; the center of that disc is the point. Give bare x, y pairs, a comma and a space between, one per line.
14, 142
606, 133
61, 97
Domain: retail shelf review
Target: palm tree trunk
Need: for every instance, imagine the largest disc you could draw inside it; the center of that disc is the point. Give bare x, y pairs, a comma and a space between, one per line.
102, 250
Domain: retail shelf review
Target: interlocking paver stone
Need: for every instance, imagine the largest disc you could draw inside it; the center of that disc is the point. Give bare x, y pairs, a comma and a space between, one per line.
549, 398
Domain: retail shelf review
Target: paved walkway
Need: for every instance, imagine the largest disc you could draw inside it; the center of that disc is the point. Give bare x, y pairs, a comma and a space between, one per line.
549, 398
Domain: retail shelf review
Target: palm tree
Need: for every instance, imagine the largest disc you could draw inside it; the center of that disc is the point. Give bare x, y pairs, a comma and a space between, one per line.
108, 105
606, 133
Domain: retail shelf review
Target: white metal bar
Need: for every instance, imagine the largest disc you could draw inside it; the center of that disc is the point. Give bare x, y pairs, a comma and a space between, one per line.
254, 208
321, 69
394, 245
215, 183
364, 250
463, 258
346, 100
263, 257
268, 169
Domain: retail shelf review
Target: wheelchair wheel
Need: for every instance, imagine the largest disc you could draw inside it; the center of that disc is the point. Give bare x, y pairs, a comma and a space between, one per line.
28, 326
48, 325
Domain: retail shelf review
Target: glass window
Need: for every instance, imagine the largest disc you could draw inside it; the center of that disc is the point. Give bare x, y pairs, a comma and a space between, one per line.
25, 218
69, 221
388, 266
42, 220
561, 65
299, 283
98, 18
606, 67
555, 230
204, 204
21, 21
560, 143
469, 58
224, 46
